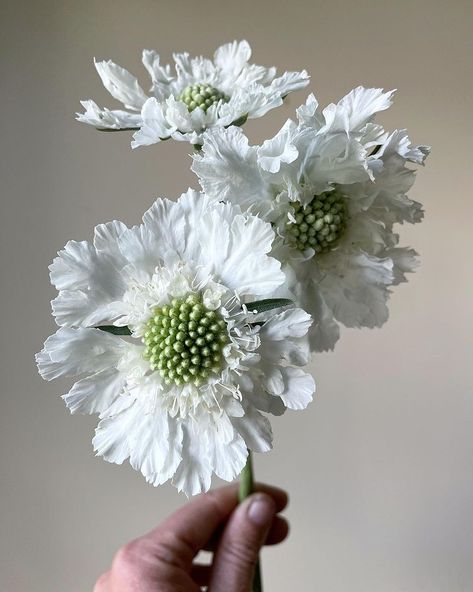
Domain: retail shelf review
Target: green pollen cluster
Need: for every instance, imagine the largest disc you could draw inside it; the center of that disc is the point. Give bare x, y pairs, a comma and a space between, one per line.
184, 341
202, 95
320, 224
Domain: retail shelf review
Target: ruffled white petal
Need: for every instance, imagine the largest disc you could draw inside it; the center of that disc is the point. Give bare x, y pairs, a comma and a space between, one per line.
112, 435
155, 127
95, 393
325, 331
290, 82
228, 170
299, 388
278, 150
256, 100
173, 457
293, 322
103, 118
171, 225
255, 430
194, 472
331, 158
228, 451
308, 113
283, 339
150, 442
398, 143
89, 283
357, 289
161, 76
404, 260
141, 247
239, 252
391, 204
106, 239
71, 352
121, 84
178, 116
232, 57
356, 109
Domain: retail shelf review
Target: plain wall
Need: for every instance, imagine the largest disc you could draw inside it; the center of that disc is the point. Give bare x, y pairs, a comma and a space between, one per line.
380, 466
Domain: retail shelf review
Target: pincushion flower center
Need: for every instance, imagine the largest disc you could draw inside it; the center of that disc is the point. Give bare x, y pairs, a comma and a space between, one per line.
320, 224
202, 95
184, 341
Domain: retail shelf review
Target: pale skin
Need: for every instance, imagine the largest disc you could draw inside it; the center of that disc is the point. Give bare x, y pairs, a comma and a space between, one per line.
164, 559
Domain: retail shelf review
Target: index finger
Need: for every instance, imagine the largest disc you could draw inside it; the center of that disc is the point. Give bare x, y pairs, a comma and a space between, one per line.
196, 522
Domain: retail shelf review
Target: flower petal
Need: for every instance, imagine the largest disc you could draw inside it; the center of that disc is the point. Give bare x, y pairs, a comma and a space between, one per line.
228, 451
161, 76
95, 393
356, 109
290, 82
121, 84
358, 288
103, 118
194, 474
228, 170
241, 261
299, 388
232, 57
111, 440
325, 331
154, 127
255, 430
71, 352
89, 283
279, 149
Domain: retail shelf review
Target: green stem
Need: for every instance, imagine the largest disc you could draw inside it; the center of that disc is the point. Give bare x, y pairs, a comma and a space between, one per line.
246, 489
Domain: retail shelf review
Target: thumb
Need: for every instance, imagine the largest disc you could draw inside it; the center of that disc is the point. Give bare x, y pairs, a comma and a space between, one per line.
237, 553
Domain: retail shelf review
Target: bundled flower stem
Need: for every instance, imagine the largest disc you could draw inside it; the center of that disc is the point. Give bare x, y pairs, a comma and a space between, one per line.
245, 490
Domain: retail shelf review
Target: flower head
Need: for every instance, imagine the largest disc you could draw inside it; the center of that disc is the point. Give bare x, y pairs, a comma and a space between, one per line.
155, 322
332, 186
200, 94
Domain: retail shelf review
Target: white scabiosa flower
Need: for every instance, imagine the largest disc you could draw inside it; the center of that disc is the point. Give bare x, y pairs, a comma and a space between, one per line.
332, 186
198, 95
181, 368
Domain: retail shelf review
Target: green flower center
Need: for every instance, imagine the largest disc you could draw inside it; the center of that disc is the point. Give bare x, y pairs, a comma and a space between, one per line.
184, 341
320, 224
202, 95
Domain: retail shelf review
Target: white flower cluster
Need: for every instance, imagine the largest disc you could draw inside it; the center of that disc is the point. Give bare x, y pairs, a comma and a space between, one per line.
184, 332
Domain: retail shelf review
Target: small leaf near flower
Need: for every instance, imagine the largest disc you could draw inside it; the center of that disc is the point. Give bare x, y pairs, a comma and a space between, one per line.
115, 330
267, 304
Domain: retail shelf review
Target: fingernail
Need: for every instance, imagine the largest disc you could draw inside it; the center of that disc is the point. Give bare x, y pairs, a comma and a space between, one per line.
261, 510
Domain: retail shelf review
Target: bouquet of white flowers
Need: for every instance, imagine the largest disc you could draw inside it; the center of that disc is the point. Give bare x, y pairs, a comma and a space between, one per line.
187, 331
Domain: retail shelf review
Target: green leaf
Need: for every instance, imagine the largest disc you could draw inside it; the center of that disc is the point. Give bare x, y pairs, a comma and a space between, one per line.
268, 304
122, 129
240, 121
115, 330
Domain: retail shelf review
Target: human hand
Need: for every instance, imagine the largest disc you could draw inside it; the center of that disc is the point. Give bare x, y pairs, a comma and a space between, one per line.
163, 560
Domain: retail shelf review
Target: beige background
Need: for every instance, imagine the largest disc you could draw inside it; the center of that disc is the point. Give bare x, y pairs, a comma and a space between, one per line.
380, 467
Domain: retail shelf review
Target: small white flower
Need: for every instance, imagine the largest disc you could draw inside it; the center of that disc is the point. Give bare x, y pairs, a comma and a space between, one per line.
200, 94
332, 185
182, 396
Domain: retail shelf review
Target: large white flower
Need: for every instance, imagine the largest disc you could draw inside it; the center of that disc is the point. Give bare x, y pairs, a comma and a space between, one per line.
332, 185
200, 94
181, 370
